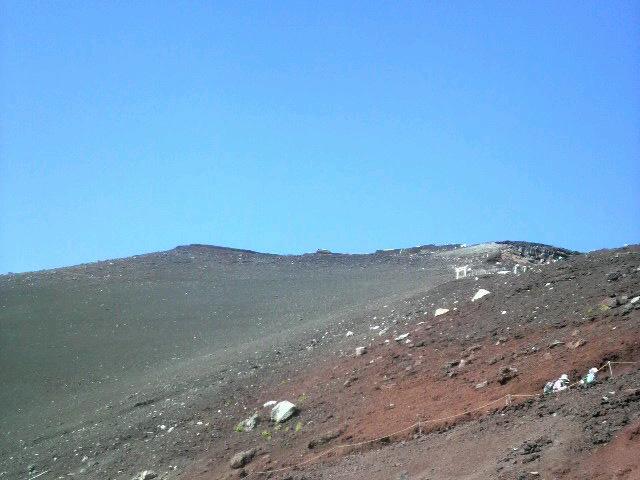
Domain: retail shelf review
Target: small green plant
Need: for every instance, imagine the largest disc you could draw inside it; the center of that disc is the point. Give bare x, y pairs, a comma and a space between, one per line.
277, 427
298, 426
302, 399
266, 434
239, 427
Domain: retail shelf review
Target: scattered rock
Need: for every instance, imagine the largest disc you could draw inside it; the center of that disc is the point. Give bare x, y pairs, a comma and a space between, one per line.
535, 446
507, 374
451, 364
473, 348
401, 337
626, 308
360, 351
441, 311
611, 302
241, 459
613, 276
145, 475
349, 381
634, 300
349, 334
479, 294
326, 438
482, 384
576, 344
248, 424
556, 343
268, 404
283, 411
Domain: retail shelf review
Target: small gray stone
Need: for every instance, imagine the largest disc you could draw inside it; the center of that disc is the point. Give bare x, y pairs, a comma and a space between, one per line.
248, 424
626, 308
241, 459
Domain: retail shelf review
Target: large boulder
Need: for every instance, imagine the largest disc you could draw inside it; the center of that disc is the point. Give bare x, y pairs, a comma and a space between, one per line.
283, 411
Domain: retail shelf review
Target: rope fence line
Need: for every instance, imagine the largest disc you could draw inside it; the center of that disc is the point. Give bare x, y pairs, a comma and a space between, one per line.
375, 440
420, 422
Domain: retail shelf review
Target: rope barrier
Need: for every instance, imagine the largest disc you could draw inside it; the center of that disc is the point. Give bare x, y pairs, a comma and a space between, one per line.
507, 398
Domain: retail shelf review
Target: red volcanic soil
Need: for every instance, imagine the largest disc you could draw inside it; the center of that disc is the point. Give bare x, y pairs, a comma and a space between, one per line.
560, 318
149, 363
617, 460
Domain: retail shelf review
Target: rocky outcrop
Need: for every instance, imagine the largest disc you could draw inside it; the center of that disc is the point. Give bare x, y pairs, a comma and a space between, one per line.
537, 252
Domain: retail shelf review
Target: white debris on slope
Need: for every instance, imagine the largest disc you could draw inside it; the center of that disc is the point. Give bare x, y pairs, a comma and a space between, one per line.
479, 294
440, 311
283, 411
401, 337
145, 475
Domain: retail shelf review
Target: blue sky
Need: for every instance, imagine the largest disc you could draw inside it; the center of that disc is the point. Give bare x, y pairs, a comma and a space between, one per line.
130, 127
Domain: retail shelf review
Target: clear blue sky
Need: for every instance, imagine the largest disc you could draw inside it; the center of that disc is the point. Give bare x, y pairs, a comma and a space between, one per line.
130, 127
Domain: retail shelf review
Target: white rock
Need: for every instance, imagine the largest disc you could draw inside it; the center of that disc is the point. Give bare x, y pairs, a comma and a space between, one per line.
401, 337
145, 475
479, 294
503, 312
283, 411
268, 404
349, 334
248, 424
634, 300
360, 351
440, 311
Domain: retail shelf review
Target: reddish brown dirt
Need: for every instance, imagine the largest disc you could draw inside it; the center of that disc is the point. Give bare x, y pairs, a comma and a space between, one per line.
617, 460
394, 384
